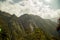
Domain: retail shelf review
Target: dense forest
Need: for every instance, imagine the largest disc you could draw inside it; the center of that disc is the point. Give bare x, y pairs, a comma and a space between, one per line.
26, 27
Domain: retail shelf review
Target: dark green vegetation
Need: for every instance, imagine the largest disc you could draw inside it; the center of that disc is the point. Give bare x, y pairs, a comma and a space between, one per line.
26, 27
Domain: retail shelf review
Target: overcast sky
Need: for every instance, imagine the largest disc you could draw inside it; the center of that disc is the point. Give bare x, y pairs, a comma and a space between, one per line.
43, 8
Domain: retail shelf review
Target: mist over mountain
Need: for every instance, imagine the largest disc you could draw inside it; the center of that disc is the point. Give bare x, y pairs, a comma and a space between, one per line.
26, 27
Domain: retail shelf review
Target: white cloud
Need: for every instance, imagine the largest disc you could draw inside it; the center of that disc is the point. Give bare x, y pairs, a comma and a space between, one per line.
30, 7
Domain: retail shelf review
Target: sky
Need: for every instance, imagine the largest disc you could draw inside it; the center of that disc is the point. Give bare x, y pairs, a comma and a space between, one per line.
43, 8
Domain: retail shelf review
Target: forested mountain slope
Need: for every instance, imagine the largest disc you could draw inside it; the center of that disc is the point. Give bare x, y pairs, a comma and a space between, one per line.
26, 27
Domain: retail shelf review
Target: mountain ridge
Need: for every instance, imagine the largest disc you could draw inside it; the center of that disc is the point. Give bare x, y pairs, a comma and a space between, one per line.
20, 28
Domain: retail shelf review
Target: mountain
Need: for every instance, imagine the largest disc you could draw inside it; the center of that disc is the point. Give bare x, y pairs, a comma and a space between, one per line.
9, 26
26, 27
36, 21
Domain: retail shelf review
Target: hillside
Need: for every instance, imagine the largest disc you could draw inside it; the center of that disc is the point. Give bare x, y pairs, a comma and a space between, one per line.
26, 27
45, 24
9, 26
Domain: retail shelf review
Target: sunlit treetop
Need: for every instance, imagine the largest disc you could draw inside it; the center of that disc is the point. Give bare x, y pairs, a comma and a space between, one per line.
0, 28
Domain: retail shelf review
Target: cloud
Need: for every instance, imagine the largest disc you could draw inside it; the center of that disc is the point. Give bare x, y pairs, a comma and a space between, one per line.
11, 2
17, 1
2, 0
35, 7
